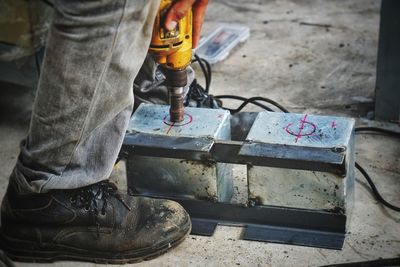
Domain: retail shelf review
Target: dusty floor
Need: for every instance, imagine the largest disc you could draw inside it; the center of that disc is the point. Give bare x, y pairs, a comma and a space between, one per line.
318, 69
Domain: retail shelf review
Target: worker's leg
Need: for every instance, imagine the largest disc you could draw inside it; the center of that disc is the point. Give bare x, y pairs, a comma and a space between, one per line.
82, 108
84, 96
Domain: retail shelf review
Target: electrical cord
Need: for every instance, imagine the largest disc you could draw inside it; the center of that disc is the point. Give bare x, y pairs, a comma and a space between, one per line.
198, 94
206, 69
207, 73
377, 195
243, 99
375, 191
252, 100
377, 129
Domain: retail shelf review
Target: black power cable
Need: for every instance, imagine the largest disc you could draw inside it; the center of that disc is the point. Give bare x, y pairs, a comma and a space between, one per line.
378, 196
244, 99
377, 129
252, 100
375, 191
207, 73
206, 69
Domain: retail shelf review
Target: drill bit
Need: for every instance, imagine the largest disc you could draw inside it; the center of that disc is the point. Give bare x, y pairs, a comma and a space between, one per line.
176, 110
176, 81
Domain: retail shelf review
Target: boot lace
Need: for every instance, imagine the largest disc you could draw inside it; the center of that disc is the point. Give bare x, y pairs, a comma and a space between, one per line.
89, 198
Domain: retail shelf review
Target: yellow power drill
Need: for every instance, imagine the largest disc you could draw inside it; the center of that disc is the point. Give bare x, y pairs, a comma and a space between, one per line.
173, 51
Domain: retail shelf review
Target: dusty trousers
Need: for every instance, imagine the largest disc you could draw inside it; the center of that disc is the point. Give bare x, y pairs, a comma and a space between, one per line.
84, 98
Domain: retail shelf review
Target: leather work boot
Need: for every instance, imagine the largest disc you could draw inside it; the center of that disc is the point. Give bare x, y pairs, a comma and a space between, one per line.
94, 223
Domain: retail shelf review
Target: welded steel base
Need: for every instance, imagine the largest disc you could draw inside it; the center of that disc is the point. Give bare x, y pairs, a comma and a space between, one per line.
300, 171
323, 229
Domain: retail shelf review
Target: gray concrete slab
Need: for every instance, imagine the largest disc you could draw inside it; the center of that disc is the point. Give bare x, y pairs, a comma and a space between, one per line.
324, 70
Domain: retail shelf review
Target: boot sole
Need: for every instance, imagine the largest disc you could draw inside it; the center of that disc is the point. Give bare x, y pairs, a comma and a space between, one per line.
24, 251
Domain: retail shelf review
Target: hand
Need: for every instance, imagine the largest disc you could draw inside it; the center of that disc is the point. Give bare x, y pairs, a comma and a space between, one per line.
178, 11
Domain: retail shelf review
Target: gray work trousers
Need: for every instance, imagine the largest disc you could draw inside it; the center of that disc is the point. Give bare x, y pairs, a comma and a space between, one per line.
84, 98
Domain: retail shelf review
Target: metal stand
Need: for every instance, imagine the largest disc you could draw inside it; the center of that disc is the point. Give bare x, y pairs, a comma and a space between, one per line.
300, 172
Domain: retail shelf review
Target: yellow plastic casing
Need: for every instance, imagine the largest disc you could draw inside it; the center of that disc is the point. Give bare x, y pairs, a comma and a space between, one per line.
172, 49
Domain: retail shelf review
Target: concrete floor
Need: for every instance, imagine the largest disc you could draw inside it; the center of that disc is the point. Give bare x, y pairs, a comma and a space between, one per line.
314, 69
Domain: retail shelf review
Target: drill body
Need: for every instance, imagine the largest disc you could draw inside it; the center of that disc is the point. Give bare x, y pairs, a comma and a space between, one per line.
173, 51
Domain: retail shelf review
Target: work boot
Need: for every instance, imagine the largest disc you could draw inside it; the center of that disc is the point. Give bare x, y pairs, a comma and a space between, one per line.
94, 223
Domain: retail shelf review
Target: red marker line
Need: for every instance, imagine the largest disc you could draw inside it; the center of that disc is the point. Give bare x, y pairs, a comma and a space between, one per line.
301, 128
170, 127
